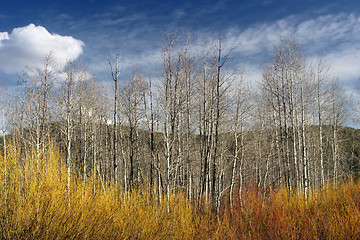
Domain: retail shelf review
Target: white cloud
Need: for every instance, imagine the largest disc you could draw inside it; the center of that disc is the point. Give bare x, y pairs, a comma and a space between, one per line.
252, 74
178, 13
29, 45
345, 63
313, 34
4, 36
335, 37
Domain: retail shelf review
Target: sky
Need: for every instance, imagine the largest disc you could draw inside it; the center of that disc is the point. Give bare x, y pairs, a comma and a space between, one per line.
91, 31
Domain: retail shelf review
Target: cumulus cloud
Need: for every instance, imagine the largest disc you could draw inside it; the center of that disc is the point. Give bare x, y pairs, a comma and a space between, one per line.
29, 45
4, 36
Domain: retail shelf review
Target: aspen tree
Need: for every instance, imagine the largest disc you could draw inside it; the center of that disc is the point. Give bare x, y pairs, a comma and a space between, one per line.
320, 84
115, 73
131, 100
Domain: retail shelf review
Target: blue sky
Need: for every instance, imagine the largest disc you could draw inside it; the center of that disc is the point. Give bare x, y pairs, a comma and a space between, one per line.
92, 30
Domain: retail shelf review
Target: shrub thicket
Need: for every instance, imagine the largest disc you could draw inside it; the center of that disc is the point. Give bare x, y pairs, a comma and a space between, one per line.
36, 204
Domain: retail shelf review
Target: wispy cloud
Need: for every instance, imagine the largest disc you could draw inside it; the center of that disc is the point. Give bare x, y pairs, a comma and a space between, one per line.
315, 35
178, 14
335, 37
138, 37
345, 63
123, 20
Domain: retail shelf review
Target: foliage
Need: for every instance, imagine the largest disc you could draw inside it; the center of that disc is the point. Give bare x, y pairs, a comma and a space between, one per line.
36, 204
329, 213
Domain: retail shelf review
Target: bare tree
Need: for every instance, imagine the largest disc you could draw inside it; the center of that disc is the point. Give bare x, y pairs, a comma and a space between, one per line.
284, 86
115, 73
338, 112
38, 83
321, 78
132, 99
242, 106
4, 128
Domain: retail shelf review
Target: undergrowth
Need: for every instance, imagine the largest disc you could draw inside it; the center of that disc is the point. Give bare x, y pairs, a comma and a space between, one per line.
36, 204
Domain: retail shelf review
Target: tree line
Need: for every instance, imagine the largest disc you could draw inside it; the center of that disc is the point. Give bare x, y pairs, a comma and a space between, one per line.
199, 128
